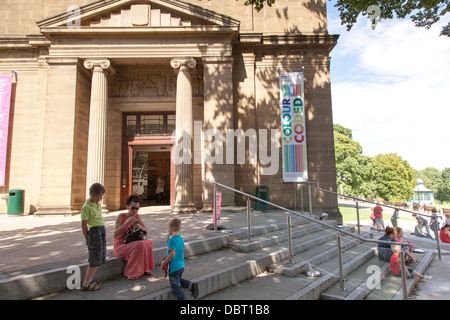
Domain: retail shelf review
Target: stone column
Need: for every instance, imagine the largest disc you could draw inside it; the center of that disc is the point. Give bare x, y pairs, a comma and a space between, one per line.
96, 157
183, 155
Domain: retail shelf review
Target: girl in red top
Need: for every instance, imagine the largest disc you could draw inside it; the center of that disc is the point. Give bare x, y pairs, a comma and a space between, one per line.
378, 218
444, 234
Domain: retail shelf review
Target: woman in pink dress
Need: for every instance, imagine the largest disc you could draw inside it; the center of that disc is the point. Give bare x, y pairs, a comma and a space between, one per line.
137, 254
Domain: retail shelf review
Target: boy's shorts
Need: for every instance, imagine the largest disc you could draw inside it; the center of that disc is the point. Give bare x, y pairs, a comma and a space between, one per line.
410, 270
97, 246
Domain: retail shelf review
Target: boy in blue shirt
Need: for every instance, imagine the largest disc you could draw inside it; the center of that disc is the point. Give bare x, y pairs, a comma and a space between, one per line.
175, 259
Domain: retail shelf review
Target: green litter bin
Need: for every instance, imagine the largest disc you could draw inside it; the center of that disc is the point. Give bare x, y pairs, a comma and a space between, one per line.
16, 201
262, 192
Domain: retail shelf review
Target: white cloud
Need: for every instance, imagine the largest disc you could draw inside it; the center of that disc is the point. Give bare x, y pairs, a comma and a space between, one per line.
392, 90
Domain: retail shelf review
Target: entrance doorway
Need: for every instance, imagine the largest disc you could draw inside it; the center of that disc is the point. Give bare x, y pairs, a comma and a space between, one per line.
146, 150
151, 174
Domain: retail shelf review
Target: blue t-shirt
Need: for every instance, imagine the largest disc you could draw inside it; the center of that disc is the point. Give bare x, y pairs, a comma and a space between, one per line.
176, 243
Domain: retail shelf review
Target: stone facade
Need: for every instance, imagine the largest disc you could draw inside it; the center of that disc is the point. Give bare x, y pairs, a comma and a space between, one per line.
83, 66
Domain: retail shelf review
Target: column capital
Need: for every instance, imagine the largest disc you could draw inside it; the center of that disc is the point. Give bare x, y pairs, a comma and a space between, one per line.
98, 64
183, 62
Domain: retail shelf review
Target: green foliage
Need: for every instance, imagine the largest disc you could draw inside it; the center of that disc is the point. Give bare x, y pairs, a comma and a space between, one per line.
422, 13
443, 190
394, 177
386, 176
354, 170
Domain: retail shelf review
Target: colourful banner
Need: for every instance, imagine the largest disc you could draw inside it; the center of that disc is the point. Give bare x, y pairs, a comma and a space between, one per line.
293, 128
5, 100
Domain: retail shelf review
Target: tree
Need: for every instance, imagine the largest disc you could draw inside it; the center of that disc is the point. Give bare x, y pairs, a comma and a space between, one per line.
443, 190
424, 13
431, 177
353, 169
394, 177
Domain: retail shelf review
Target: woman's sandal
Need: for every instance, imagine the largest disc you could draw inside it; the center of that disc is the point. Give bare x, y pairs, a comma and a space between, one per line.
93, 286
148, 273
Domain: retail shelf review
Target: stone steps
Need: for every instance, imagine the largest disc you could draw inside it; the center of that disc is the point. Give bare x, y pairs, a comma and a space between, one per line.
227, 266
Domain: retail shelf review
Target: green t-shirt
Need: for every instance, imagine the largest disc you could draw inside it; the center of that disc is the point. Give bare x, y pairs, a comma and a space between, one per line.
93, 214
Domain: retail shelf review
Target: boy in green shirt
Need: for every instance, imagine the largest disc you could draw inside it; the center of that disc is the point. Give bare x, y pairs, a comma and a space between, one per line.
93, 228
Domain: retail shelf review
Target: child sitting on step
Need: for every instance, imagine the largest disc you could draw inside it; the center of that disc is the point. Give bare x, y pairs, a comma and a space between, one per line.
395, 265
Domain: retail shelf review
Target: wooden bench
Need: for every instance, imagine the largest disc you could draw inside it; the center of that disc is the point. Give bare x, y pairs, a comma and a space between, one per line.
445, 210
428, 208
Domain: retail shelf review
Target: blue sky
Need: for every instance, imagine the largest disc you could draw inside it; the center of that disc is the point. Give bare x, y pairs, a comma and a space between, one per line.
391, 86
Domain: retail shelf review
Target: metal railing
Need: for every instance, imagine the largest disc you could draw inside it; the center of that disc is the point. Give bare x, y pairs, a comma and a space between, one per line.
310, 218
436, 233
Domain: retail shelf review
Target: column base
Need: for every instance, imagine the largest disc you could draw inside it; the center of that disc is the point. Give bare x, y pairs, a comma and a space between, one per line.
184, 208
57, 211
65, 211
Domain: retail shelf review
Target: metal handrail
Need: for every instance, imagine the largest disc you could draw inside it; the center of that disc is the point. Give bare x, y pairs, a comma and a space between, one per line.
373, 202
436, 235
339, 231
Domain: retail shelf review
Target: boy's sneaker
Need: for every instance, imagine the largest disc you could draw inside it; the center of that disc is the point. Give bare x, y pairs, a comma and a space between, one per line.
194, 290
427, 277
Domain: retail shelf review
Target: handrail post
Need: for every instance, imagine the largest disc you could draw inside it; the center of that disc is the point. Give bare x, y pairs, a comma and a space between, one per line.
357, 217
403, 268
341, 271
249, 222
436, 235
310, 200
215, 207
295, 196
289, 237
301, 197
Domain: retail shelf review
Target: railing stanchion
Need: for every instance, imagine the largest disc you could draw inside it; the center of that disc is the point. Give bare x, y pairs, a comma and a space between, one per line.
215, 207
341, 270
357, 217
310, 199
295, 196
403, 272
301, 197
436, 236
289, 238
249, 222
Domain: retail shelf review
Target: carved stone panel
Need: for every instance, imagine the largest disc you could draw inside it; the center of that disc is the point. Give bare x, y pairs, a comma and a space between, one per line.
148, 83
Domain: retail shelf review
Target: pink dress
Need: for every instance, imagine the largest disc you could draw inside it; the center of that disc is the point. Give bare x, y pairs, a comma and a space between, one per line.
137, 254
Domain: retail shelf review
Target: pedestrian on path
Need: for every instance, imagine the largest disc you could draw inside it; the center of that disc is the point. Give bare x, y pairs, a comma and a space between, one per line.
94, 232
378, 218
138, 254
434, 223
394, 218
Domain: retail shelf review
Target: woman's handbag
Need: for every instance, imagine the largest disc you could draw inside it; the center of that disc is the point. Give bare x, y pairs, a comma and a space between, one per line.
134, 235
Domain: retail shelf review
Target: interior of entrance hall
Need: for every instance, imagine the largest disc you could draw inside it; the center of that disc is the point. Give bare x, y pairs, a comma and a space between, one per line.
151, 168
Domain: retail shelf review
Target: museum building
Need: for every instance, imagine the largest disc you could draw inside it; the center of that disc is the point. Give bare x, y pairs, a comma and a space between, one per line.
106, 91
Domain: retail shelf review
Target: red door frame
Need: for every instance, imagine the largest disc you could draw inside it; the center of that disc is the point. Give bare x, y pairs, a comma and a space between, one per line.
127, 164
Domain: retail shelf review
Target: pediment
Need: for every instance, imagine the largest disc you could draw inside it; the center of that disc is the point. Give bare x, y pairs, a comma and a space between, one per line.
134, 15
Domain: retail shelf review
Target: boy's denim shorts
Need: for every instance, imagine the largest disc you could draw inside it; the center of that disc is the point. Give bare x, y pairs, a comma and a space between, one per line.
410, 270
97, 246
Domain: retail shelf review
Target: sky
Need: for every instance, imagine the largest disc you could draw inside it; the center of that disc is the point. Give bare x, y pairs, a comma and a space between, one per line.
391, 87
